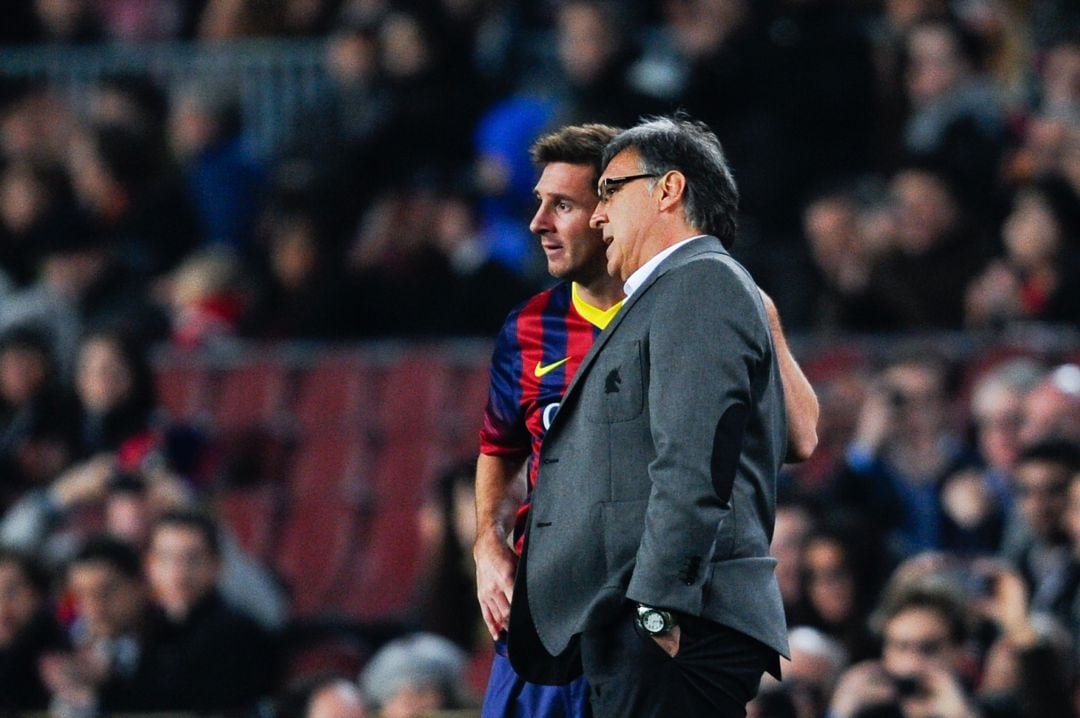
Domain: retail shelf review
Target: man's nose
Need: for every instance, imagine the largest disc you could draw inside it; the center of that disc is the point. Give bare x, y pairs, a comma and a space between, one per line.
599, 217
541, 222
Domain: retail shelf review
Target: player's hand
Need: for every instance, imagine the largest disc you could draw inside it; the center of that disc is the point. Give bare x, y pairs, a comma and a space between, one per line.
669, 642
496, 565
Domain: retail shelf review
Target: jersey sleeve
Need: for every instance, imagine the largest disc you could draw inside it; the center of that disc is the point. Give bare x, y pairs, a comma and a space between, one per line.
504, 432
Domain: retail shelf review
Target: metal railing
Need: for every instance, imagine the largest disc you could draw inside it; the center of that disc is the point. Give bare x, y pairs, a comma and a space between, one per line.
275, 80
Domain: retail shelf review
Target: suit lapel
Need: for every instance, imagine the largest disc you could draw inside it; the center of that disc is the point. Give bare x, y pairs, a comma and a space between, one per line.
681, 256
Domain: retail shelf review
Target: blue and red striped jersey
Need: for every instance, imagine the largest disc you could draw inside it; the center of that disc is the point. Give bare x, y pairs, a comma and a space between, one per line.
538, 349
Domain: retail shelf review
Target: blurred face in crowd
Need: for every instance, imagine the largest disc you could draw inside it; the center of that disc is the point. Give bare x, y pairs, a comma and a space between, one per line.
339, 699
1031, 232
586, 43
22, 373
830, 585
110, 602
23, 199
103, 377
936, 65
405, 49
1061, 78
925, 210
915, 640
793, 524
916, 393
1050, 412
181, 568
999, 413
1041, 488
567, 198
414, 701
18, 601
127, 516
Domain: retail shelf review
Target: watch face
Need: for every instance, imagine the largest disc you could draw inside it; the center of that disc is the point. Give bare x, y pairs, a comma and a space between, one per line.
653, 622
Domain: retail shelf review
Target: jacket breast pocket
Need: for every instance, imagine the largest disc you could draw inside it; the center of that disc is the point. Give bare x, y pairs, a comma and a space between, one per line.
618, 392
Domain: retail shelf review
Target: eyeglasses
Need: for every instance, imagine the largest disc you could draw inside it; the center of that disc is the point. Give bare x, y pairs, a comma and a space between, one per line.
608, 186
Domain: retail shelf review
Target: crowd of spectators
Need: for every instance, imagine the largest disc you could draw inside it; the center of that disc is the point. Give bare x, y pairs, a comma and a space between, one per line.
906, 166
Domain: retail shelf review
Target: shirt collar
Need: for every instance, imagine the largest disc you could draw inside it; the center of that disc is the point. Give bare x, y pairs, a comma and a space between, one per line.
635, 280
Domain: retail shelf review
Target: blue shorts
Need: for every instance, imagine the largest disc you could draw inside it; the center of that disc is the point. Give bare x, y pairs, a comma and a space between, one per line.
510, 696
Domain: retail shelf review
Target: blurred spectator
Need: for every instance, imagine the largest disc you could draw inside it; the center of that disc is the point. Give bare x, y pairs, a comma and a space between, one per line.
1052, 409
412, 676
1070, 614
422, 270
36, 205
956, 117
224, 178
920, 674
31, 399
35, 126
817, 662
27, 633
1041, 237
336, 142
103, 670
136, 203
903, 448
847, 236
794, 524
997, 411
920, 281
204, 298
136, 21
325, 696
594, 53
82, 283
1037, 543
116, 393
67, 21
973, 514
204, 656
837, 589
421, 138
444, 602
301, 289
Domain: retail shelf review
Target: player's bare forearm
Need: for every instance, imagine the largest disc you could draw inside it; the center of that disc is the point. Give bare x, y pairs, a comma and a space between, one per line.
500, 489
800, 401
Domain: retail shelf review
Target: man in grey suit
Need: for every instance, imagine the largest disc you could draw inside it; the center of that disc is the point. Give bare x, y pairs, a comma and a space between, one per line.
646, 561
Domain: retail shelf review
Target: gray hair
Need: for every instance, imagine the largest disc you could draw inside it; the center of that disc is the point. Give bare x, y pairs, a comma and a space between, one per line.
421, 660
678, 143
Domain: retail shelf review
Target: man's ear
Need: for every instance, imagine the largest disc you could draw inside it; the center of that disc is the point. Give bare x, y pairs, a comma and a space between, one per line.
672, 188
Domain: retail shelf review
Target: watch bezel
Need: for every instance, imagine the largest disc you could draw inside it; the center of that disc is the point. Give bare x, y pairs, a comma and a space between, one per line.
645, 613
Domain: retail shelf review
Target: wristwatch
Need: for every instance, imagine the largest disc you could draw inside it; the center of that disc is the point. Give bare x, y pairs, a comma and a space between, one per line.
655, 621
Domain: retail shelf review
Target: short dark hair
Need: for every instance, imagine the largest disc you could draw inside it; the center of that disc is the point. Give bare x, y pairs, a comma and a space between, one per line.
575, 145
31, 569
931, 595
1062, 452
195, 520
113, 552
663, 144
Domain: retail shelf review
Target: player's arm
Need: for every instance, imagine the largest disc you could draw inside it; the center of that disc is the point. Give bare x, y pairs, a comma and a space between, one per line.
500, 489
800, 401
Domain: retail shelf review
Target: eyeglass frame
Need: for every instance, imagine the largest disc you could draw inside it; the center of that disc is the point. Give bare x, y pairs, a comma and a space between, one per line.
608, 186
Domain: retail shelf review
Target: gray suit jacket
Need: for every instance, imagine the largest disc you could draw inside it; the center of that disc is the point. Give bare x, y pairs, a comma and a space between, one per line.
658, 474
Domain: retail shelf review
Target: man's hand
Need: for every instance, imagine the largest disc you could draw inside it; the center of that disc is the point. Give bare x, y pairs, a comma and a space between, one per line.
941, 696
669, 641
496, 565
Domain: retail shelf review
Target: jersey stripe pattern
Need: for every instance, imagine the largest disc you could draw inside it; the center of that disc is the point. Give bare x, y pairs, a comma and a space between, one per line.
537, 352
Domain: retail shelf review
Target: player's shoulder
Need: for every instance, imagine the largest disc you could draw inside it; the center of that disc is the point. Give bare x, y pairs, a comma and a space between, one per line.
552, 299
